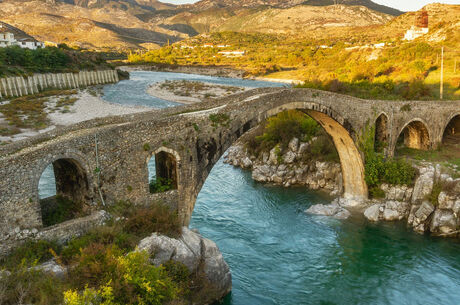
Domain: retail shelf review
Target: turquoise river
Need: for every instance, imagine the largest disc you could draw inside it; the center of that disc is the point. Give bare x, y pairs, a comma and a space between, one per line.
280, 255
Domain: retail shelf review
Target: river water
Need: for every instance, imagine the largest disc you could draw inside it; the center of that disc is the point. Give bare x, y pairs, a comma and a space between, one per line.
280, 255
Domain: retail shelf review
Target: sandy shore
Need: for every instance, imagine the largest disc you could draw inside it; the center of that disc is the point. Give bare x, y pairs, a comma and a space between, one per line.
86, 107
190, 92
89, 107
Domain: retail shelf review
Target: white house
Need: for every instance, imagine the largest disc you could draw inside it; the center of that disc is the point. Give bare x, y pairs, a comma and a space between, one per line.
7, 38
415, 32
232, 53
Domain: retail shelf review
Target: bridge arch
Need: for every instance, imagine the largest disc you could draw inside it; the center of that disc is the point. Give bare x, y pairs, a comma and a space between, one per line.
167, 163
71, 173
381, 132
209, 150
341, 132
451, 131
415, 134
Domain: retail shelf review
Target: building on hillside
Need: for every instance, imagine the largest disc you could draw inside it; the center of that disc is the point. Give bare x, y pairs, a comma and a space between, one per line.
11, 36
420, 28
232, 53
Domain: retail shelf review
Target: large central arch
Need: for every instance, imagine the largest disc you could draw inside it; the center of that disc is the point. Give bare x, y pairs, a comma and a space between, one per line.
351, 161
210, 149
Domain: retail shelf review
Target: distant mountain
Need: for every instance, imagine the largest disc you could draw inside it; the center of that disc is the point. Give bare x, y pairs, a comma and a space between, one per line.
116, 25
124, 4
367, 3
212, 4
297, 20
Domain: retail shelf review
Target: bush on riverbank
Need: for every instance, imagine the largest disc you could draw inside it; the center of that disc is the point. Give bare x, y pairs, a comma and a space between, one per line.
15, 60
280, 129
379, 170
99, 271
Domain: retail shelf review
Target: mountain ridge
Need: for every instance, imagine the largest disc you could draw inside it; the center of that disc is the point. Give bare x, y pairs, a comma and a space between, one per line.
210, 4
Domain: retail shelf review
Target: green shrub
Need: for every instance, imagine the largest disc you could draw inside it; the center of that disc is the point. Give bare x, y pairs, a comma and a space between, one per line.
133, 280
376, 192
219, 119
31, 252
27, 285
59, 209
95, 265
434, 195
379, 170
156, 218
160, 185
284, 126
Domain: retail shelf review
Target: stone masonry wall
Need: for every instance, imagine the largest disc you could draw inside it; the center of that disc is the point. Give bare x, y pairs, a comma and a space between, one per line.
117, 169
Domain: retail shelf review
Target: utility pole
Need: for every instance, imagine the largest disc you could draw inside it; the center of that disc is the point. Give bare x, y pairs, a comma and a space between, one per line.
441, 90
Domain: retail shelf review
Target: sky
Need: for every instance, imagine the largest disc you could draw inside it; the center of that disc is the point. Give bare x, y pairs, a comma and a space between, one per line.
403, 5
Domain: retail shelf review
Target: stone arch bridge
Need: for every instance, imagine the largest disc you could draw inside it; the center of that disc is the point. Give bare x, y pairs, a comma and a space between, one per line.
106, 159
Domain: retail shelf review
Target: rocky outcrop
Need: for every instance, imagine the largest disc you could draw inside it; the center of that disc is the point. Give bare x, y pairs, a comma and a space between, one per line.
195, 252
288, 167
402, 202
53, 268
334, 210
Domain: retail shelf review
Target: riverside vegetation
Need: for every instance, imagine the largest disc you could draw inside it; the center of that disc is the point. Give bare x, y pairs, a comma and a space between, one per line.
400, 70
102, 267
15, 60
278, 131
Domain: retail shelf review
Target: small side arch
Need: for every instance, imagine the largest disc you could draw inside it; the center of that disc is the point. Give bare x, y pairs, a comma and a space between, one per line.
165, 164
415, 135
71, 176
451, 132
381, 133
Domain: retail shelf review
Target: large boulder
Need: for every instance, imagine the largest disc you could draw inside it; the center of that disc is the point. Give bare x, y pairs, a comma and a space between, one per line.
162, 249
51, 267
444, 222
333, 210
373, 212
446, 201
423, 185
289, 157
215, 267
262, 173
273, 158
395, 210
293, 145
198, 254
418, 216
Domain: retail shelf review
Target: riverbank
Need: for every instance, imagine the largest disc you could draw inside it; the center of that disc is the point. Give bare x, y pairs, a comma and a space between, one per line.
190, 92
431, 204
62, 109
217, 71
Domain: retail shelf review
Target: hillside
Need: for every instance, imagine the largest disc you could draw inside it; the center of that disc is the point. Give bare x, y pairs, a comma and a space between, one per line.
93, 28
299, 20
135, 24
370, 61
212, 4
